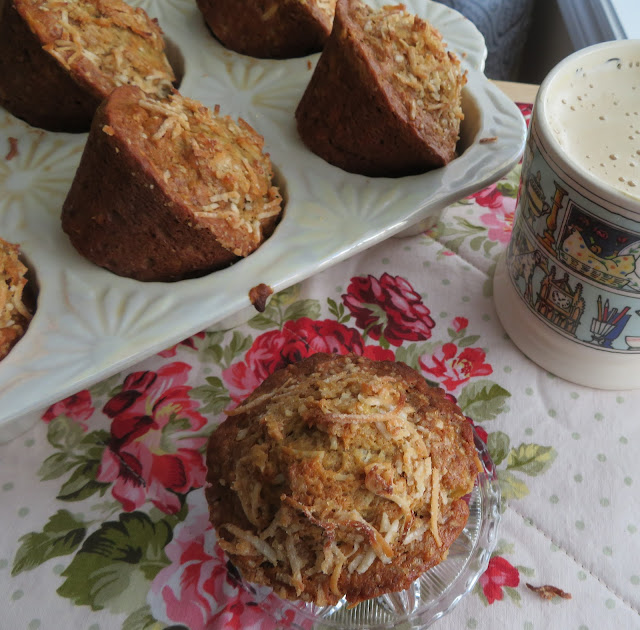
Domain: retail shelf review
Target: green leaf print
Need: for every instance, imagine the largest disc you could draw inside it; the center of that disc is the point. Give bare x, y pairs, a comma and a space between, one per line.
221, 353
513, 594
498, 445
64, 433
142, 619
527, 571
465, 342
214, 396
508, 189
59, 537
338, 311
263, 321
82, 483
476, 243
503, 547
109, 387
55, 466
115, 565
302, 308
238, 345
454, 236
483, 400
531, 459
511, 487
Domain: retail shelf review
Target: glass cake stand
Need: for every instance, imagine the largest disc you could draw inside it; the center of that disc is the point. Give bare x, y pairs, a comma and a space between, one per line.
430, 597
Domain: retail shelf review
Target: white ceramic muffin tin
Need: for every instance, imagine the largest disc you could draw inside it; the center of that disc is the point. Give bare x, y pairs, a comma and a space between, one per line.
91, 323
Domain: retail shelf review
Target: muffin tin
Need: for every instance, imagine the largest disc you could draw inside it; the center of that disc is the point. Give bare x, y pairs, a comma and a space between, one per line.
91, 324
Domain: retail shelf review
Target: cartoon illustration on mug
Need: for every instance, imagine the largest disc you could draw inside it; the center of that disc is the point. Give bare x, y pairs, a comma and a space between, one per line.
608, 324
558, 303
604, 253
525, 259
535, 201
574, 265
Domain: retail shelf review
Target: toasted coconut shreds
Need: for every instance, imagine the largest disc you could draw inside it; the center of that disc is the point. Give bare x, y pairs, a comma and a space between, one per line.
230, 177
121, 42
328, 7
397, 470
14, 315
427, 76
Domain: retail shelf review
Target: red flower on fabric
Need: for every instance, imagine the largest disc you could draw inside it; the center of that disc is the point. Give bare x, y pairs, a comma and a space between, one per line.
499, 573
460, 323
388, 307
298, 339
525, 110
453, 369
189, 343
78, 407
152, 453
489, 197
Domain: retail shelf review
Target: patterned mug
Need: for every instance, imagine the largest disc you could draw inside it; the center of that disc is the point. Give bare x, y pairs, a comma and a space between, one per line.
568, 289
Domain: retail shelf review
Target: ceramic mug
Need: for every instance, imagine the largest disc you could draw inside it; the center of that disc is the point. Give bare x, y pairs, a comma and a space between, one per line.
568, 289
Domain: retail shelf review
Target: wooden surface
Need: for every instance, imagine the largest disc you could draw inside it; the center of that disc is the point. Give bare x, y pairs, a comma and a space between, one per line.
518, 92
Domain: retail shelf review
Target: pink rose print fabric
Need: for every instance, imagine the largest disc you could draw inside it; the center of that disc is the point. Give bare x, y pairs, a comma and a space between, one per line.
152, 454
388, 307
500, 215
453, 368
296, 340
78, 407
499, 573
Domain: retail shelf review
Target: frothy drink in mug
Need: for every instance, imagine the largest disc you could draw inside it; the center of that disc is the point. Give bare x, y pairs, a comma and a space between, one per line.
568, 289
596, 119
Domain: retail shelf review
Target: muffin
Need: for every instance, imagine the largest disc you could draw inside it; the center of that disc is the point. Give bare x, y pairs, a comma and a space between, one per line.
14, 313
340, 476
60, 59
274, 29
169, 189
385, 97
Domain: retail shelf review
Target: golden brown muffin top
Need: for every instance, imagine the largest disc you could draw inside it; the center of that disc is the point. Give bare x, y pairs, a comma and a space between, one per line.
423, 72
328, 7
14, 315
340, 475
217, 165
106, 43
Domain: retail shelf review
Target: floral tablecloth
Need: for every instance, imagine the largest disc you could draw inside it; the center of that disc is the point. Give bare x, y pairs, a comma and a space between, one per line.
104, 523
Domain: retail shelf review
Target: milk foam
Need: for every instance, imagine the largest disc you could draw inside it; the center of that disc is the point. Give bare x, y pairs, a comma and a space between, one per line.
595, 116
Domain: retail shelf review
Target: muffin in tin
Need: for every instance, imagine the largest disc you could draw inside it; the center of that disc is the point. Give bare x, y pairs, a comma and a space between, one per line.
169, 189
60, 59
270, 29
385, 98
15, 310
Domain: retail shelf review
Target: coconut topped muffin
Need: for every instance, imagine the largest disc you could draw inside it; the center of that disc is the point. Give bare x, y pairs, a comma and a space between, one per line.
14, 314
105, 42
385, 97
59, 59
274, 29
168, 189
340, 476
218, 164
414, 58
